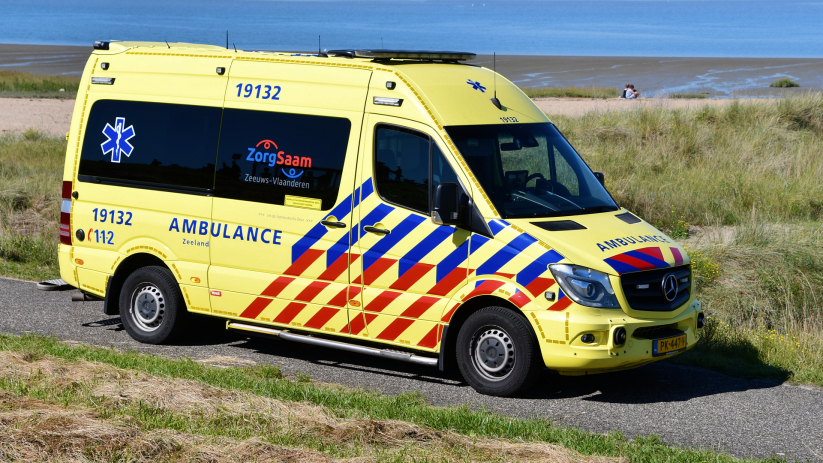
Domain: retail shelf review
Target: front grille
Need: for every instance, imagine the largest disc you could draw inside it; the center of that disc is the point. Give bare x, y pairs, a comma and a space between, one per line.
644, 290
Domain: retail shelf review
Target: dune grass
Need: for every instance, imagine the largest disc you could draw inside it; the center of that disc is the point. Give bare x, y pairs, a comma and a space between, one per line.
579, 92
784, 83
15, 84
712, 165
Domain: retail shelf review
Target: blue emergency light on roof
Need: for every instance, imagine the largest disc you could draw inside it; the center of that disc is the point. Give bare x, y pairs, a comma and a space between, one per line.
405, 54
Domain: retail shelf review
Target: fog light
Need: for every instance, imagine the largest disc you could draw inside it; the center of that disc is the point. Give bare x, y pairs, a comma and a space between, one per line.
701, 318
620, 336
587, 338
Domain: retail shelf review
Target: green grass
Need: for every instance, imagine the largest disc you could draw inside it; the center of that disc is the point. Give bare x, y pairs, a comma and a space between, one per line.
711, 165
30, 180
579, 92
689, 95
340, 402
23, 84
784, 83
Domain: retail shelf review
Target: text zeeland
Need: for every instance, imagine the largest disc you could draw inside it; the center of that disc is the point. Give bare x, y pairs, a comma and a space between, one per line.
224, 230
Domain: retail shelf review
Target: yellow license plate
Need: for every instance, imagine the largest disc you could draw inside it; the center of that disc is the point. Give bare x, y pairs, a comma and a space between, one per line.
669, 345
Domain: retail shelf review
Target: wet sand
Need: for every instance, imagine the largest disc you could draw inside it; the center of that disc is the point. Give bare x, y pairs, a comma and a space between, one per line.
657, 77
654, 77
43, 59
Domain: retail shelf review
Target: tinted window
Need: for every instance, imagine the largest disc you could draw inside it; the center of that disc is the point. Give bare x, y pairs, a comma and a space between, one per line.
402, 167
441, 170
157, 143
265, 156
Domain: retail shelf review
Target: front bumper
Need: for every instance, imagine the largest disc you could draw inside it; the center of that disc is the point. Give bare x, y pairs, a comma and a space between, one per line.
559, 335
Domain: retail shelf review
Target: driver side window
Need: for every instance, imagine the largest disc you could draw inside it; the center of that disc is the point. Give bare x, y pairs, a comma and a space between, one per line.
408, 166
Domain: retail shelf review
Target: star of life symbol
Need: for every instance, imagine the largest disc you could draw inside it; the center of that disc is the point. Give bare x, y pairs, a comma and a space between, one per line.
476, 85
118, 139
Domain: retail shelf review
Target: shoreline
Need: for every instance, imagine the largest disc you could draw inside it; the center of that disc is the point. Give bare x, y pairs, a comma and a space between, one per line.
653, 76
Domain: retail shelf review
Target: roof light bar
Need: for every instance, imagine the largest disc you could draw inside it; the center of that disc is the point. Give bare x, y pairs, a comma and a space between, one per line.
405, 54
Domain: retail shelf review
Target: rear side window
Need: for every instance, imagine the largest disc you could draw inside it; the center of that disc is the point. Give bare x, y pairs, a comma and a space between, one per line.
155, 144
267, 156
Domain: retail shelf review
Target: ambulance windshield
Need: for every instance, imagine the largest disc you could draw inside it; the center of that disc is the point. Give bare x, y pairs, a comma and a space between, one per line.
530, 170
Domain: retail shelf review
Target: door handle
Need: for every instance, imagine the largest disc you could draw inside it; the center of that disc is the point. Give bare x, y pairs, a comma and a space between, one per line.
331, 224
379, 231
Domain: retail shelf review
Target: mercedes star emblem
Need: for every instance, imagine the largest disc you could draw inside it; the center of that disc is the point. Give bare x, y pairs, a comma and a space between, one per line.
670, 287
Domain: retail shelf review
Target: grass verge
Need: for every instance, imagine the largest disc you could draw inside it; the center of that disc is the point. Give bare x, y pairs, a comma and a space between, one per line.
579, 92
153, 395
26, 85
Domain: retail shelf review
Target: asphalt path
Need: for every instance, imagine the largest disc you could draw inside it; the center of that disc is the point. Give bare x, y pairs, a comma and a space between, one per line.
685, 406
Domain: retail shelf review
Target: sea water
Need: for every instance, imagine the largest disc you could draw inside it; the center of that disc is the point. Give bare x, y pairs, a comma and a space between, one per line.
718, 28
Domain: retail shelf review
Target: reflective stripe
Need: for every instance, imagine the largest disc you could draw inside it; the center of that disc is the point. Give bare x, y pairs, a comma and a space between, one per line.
423, 248
538, 267
387, 242
503, 256
496, 225
319, 231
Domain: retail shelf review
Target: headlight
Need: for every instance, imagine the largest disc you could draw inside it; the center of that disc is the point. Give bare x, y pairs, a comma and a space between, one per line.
585, 286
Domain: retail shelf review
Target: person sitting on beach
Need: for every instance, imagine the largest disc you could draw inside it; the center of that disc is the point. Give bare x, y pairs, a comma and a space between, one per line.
625, 90
631, 93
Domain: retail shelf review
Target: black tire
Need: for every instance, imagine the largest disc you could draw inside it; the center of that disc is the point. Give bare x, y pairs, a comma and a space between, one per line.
151, 306
497, 353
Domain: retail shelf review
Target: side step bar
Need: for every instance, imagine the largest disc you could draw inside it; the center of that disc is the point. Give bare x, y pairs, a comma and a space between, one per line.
285, 335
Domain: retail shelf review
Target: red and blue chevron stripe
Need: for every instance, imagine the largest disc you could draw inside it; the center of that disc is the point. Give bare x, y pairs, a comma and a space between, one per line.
650, 258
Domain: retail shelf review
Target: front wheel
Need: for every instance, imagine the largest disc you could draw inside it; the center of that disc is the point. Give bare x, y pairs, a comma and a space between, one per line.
496, 352
151, 306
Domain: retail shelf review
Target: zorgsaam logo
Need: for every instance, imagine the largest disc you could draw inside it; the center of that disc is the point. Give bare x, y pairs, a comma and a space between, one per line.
278, 158
118, 139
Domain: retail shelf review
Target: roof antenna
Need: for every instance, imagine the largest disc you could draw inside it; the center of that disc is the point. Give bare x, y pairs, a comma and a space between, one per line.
235, 47
494, 100
320, 53
227, 39
167, 44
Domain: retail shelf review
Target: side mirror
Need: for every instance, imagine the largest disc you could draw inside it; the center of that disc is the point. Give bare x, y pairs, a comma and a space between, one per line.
600, 178
445, 206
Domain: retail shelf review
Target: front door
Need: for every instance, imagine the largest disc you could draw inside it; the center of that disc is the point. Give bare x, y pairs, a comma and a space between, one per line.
408, 265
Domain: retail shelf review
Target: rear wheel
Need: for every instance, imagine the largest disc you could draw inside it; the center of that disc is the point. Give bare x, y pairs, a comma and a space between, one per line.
151, 306
496, 352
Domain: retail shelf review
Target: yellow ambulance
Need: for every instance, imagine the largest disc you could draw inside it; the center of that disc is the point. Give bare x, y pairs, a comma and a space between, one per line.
401, 204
